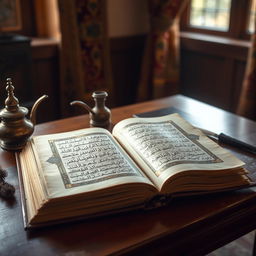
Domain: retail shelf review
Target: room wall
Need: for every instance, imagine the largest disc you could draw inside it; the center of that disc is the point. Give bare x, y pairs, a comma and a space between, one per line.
127, 27
127, 18
212, 69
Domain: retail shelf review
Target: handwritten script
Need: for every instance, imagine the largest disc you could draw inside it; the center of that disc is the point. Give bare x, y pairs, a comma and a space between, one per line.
165, 144
89, 159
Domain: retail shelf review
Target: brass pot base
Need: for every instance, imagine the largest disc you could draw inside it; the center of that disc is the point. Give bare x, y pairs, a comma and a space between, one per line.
11, 147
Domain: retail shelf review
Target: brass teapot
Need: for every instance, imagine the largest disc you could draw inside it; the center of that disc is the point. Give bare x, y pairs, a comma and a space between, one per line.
100, 115
15, 128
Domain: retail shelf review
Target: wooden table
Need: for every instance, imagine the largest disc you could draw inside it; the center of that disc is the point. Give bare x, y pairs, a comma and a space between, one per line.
188, 226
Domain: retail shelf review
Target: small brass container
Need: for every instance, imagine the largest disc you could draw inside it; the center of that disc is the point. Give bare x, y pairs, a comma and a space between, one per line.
15, 128
100, 115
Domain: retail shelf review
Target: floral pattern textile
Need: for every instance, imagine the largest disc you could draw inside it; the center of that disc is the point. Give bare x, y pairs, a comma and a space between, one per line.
90, 18
160, 70
85, 62
247, 103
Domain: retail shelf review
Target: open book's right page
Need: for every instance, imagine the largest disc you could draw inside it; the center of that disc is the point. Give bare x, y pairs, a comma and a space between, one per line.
178, 157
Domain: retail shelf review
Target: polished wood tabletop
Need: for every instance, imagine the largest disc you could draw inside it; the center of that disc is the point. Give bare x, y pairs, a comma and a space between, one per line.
188, 226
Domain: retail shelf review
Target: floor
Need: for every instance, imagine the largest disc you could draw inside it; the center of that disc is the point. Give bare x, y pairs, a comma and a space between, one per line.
240, 247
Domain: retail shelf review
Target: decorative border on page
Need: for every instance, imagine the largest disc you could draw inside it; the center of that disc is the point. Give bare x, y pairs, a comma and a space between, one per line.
56, 159
193, 138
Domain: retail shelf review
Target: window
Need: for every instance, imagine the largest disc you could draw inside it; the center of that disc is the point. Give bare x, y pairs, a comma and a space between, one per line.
231, 18
251, 23
210, 14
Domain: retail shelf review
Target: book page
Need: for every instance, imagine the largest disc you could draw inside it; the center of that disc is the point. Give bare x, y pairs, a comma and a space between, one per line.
167, 145
83, 161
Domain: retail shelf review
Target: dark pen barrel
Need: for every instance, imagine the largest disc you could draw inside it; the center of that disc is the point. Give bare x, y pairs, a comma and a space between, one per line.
236, 143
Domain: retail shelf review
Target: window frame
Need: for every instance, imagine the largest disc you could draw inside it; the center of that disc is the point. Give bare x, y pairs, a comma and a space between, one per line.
239, 20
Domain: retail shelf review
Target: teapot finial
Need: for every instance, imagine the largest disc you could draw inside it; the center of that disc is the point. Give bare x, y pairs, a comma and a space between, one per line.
11, 102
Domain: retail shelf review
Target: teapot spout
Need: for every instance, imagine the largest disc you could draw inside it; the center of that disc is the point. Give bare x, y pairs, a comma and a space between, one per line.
83, 105
34, 108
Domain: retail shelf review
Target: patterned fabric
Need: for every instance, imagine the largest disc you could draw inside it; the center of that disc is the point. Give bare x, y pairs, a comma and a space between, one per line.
160, 70
46, 18
247, 103
90, 20
85, 63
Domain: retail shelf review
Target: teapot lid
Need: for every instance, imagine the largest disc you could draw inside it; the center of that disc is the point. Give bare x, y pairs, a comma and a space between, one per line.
12, 108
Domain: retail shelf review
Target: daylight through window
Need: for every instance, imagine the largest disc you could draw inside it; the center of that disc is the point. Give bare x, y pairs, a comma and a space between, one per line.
210, 14
251, 26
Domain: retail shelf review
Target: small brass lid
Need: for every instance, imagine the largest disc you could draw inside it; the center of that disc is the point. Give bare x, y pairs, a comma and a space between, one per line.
12, 109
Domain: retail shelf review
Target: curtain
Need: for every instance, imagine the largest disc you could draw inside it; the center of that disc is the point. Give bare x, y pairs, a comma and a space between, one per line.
47, 18
160, 67
247, 101
85, 61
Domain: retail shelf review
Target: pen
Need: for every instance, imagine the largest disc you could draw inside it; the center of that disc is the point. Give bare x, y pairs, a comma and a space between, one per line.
223, 138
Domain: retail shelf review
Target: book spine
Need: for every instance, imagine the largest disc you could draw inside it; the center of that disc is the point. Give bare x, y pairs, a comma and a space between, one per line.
157, 201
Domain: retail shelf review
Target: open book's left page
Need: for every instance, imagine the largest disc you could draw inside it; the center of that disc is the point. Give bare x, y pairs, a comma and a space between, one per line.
83, 161
79, 173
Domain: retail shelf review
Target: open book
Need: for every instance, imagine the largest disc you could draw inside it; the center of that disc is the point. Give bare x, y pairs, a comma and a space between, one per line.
143, 163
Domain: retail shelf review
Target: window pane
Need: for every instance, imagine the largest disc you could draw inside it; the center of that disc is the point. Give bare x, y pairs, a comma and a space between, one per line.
252, 17
197, 3
210, 14
224, 4
210, 5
